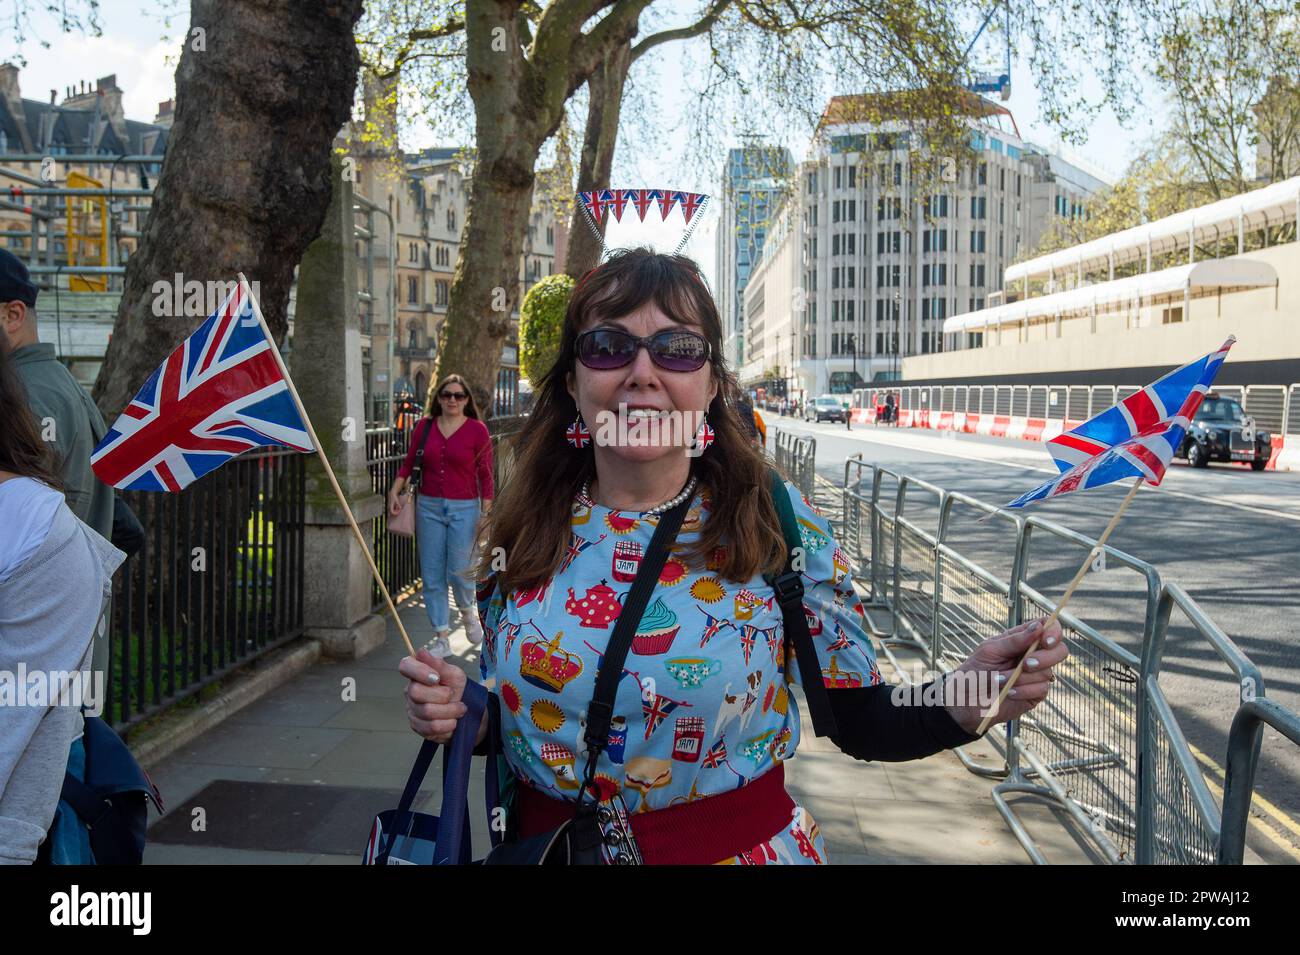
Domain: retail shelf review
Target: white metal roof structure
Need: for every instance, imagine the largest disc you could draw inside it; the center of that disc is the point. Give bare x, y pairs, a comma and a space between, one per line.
1184, 279
1272, 204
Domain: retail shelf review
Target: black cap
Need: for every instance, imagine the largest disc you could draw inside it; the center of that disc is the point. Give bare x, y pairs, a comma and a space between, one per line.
15, 282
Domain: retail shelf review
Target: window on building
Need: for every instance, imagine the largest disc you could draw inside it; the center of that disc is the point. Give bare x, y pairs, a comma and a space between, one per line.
451, 220
812, 183
852, 210
835, 277
412, 289
1171, 315
853, 177
978, 207
848, 273
1002, 179
977, 237
898, 173
850, 241
983, 174
835, 245
882, 173
835, 211
440, 292
550, 235
837, 177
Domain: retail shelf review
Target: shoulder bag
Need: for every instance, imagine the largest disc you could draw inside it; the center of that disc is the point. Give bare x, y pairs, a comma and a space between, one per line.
403, 525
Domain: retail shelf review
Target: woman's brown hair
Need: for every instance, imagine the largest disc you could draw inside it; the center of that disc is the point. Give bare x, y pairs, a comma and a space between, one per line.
433, 407
22, 451
530, 517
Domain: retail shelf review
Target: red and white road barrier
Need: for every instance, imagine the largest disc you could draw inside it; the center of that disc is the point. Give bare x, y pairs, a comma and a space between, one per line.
1030, 429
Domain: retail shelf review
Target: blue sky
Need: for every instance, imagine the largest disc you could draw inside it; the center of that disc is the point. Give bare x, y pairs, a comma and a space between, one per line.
133, 47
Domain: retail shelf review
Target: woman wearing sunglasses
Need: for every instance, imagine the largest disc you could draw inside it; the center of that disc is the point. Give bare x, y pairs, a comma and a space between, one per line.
699, 733
454, 453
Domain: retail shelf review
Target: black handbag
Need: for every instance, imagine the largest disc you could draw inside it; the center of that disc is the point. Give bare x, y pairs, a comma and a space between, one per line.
112, 800
597, 834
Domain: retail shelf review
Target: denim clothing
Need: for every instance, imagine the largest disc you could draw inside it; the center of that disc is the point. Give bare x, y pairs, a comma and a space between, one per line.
444, 533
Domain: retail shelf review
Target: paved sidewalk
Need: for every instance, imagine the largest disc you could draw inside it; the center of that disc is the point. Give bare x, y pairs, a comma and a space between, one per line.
297, 776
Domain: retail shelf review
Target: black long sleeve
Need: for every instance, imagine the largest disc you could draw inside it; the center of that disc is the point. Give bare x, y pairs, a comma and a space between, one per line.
870, 727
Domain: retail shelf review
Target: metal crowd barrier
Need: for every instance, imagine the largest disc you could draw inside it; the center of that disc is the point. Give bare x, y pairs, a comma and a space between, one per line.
1105, 747
796, 458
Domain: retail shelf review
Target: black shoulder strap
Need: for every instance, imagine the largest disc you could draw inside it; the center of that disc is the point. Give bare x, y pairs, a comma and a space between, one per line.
600, 711
788, 586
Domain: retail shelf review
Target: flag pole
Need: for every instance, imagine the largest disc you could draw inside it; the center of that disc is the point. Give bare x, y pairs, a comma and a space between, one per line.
1069, 592
329, 471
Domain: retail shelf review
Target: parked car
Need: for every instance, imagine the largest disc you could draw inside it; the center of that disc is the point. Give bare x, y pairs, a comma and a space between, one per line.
1221, 432
824, 408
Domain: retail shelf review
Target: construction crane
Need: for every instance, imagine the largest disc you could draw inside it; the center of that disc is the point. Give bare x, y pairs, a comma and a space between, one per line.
989, 82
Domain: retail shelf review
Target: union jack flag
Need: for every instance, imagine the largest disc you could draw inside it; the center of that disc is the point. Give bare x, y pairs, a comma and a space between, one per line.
704, 436
691, 203
577, 434
576, 546
1135, 438
218, 394
665, 200
712, 625
595, 207
618, 202
655, 709
641, 199
716, 756
748, 637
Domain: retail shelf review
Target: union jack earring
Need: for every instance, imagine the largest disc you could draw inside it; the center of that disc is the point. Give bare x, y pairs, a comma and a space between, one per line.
703, 435
577, 434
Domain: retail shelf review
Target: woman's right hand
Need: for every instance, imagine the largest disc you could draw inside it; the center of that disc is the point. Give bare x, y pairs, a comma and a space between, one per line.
433, 695
394, 501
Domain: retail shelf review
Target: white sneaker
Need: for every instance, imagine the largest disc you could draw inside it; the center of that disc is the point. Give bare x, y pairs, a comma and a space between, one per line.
439, 645
473, 628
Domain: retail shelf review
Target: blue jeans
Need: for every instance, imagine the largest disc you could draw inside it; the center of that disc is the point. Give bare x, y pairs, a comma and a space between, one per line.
444, 532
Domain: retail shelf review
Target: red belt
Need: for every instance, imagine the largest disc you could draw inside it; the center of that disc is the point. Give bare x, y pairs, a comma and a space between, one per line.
702, 832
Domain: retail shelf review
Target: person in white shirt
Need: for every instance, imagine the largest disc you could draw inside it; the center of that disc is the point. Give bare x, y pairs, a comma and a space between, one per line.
55, 575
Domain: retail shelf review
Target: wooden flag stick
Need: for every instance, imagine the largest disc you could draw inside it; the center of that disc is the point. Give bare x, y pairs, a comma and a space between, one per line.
1069, 592
329, 471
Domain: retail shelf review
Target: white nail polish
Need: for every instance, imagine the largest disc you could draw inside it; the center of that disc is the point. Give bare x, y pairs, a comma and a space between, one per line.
433, 679
1011, 692
1032, 661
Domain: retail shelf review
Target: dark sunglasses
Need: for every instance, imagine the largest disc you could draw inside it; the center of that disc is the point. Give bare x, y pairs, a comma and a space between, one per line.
457, 395
671, 349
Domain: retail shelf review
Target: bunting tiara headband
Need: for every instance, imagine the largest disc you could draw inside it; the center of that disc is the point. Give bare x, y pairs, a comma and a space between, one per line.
602, 203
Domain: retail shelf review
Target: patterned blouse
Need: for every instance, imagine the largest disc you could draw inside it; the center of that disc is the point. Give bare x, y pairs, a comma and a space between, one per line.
707, 707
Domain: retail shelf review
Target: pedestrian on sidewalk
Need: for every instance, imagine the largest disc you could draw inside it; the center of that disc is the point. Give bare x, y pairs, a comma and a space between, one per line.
55, 577
455, 459
699, 733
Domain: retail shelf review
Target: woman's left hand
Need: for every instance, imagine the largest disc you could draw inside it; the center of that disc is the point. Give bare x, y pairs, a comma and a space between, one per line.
1000, 655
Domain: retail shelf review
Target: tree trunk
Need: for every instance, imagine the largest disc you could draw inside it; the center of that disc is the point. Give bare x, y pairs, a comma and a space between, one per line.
604, 104
261, 92
512, 121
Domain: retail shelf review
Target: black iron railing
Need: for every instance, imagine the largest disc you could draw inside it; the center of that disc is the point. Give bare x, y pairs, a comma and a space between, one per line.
218, 582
